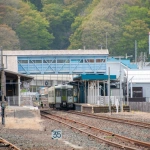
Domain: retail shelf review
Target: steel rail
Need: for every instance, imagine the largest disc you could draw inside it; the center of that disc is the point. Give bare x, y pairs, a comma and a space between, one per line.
125, 121
136, 142
8, 144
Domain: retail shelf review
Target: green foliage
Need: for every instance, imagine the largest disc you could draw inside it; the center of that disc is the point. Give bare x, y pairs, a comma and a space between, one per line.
33, 32
136, 30
8, 38
45, 2
135, 26
73, 24
37, 5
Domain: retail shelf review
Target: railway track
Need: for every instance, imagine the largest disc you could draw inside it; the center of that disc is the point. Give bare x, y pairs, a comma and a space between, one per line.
115, 140
124, 121
7, 145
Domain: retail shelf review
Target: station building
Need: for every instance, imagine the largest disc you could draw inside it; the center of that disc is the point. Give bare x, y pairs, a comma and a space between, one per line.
89, 67
51, 67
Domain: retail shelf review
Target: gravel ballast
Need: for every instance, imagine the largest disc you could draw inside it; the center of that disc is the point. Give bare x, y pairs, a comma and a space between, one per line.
29, 131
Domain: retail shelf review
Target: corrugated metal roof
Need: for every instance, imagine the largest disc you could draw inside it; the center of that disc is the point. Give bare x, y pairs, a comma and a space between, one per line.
56, 52
138, 76
125, 62
94, 77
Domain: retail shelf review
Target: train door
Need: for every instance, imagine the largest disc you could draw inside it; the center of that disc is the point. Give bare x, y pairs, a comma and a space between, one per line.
70, 95
75, 94
64, 98
58, 95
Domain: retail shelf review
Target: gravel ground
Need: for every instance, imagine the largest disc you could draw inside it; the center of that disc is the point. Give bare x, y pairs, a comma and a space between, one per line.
133, 115
139, 133
28, 131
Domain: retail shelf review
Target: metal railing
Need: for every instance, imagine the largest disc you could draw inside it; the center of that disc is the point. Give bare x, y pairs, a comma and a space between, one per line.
24, 101
103, 100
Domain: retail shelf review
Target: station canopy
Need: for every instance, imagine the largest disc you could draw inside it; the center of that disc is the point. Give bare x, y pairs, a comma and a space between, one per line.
10, 75
94, 77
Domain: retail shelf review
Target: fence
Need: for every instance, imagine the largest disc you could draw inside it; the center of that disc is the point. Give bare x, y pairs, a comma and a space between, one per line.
103, 100
140, 106
24, 101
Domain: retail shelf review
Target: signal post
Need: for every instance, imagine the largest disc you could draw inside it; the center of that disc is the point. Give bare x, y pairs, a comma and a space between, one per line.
3, 103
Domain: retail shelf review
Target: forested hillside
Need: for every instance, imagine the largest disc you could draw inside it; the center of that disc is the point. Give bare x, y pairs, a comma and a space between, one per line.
75, 24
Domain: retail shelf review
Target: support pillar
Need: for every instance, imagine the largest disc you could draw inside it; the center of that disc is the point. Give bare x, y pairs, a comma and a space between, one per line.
85, 91
131, 89
88, 92
94, 92
19, 90
98, 95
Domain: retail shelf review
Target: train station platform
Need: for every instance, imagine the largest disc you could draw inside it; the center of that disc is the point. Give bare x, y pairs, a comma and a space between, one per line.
22, 118
89, 108
21, 112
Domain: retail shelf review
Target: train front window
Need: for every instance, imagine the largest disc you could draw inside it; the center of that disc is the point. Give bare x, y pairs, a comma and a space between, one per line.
70, 92
63, 92
58, 93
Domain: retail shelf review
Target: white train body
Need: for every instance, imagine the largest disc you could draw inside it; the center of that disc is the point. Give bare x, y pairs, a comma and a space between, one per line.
61, 96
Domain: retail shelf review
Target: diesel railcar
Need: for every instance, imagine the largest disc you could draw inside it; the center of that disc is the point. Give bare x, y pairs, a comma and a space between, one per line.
61, 96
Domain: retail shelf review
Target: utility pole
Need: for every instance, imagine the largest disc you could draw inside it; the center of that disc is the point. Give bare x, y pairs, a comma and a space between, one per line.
135, 52
106, 40
109, 90
127, 89
3, 103
120, 91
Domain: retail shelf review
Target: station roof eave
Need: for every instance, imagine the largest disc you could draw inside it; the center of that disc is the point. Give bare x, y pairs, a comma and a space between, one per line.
88, 77
14, 76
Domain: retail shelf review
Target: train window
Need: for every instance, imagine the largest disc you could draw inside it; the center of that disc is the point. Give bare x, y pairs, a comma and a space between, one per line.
75, 92
58, 93
63, 92
70, 92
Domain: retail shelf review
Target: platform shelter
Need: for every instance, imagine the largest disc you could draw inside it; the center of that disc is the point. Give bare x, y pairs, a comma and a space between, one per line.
12, 81
92, 88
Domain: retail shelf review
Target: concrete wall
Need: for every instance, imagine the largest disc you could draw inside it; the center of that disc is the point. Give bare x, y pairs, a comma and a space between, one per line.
10, 63
146, 88
115, 69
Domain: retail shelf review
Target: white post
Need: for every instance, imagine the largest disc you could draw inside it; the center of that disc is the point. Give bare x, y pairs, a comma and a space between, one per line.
109, 90
104, 92
120, 87
131, 90
85, 93
127, 89
98, 96
149, 42
19, 90
88, 92
117, 104
95, 92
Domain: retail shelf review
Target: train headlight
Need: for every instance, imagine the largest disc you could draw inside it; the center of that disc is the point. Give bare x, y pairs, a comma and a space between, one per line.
64, 104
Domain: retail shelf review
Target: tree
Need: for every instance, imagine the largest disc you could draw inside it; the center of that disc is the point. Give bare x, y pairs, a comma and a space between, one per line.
136, 30
37, 4
33, 33
2, 12
8, 38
